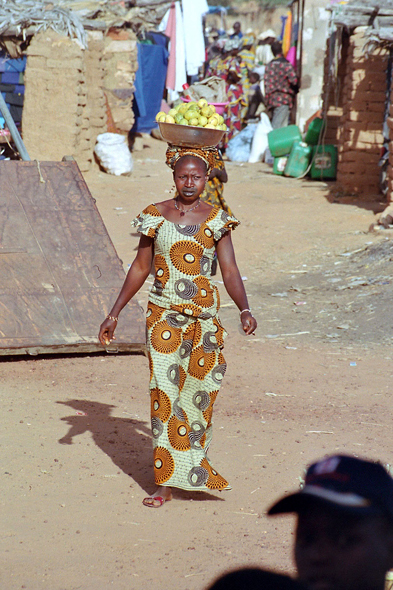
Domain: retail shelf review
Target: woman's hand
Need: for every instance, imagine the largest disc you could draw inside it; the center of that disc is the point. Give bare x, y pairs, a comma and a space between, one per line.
249, 323
134, 280
106, 332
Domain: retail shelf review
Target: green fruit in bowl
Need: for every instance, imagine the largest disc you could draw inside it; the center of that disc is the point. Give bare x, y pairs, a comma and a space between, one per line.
189, 114
206, 111
183, 108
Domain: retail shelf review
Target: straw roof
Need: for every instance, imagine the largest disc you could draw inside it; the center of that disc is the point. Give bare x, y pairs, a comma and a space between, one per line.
24, 18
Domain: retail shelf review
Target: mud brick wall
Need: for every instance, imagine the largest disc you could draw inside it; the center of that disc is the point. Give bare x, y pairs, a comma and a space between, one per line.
360, 133
121, 63
70, 89
64, 107
94, 117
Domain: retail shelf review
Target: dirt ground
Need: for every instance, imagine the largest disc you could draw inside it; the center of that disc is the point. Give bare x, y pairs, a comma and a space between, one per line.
315, 379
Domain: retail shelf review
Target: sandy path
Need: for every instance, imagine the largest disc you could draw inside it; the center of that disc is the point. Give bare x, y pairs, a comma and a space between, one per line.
76, 440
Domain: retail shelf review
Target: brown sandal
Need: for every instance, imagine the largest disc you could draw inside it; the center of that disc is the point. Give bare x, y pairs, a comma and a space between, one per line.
149, 501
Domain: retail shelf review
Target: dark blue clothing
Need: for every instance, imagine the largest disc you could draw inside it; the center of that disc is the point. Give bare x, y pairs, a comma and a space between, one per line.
149, 85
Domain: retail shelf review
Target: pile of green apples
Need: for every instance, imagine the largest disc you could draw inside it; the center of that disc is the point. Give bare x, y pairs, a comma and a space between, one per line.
195, 114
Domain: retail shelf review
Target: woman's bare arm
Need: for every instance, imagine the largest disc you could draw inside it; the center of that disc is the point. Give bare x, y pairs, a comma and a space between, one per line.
233, 281
136, 276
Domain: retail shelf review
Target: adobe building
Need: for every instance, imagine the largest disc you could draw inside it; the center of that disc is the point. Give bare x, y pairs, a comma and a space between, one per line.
357, 95
78, 79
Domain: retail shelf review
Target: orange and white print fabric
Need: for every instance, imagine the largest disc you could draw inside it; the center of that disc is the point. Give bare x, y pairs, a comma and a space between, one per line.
185, 341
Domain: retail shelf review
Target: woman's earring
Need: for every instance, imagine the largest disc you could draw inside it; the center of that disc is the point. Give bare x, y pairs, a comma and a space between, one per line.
172, 189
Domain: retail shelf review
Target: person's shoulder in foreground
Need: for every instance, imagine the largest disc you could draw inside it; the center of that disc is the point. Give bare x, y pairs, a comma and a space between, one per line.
344, 534
255, 579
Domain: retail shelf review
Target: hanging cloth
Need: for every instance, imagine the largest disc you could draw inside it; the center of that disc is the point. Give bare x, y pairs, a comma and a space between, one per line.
170, 31
178, 45
193, 11
149, 85
286, 41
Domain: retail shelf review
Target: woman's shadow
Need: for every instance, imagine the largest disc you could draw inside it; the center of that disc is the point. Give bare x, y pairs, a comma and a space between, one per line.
127, 442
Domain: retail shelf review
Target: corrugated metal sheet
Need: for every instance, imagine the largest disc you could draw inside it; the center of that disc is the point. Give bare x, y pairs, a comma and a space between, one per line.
376, 15
60, 273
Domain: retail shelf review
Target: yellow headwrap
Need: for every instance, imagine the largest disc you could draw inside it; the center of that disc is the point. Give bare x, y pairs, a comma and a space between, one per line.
208, 154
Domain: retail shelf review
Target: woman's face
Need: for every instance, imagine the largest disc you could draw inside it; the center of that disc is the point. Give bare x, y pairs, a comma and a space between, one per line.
190, 176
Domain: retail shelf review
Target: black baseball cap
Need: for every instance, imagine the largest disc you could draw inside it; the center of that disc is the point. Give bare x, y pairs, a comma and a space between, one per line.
353, 485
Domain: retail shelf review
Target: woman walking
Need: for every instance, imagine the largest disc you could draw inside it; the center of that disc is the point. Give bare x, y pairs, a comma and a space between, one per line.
184, 332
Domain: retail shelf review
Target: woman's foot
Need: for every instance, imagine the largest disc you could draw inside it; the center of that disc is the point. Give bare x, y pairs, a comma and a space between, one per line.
158, 499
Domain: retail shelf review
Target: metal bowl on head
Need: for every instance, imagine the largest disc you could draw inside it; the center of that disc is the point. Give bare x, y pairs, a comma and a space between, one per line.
188, 136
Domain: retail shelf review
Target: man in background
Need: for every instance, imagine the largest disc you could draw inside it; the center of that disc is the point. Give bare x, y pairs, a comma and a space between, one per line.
237, 31
281, 86
344, 534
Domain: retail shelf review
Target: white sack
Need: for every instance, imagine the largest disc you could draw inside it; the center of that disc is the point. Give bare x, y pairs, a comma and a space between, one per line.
112, 151
259, 143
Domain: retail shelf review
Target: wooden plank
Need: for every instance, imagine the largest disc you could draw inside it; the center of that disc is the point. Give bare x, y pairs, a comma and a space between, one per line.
60, 273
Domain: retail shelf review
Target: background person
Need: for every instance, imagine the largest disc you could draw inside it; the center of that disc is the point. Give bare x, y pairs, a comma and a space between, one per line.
236, 110
344, 534
280, 87
255, 97
214, 189
263, 52
246, 54
214, 194
215, 66
237, 31
185, 337
255, 579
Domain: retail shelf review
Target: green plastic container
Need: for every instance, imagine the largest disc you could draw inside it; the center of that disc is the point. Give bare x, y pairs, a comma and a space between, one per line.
324, 165
298, 159
279, 165
314, 131
281, 140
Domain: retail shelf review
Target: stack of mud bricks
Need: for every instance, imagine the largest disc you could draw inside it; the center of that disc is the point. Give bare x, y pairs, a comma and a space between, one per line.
120, 63
70, 91
64, 107
360, 136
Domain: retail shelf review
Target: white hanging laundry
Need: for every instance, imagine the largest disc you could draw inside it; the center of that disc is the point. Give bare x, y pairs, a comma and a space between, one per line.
193, 10
181, 76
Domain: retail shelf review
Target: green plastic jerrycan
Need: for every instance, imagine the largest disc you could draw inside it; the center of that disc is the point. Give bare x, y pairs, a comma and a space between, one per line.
314, 131
281, 140
324, 162
298, 159
279, 165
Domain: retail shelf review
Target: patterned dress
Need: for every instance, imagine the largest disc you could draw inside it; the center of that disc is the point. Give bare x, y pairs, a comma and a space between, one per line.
185, 341
214, 190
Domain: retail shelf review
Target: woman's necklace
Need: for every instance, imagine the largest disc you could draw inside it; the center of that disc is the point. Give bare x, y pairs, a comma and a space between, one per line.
183, 212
